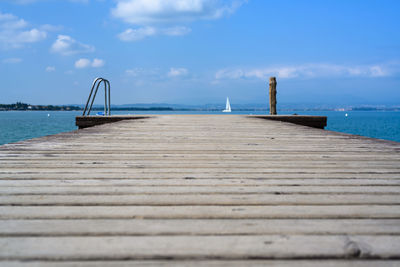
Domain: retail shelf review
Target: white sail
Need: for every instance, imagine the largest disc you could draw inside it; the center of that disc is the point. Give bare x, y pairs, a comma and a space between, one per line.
228, 106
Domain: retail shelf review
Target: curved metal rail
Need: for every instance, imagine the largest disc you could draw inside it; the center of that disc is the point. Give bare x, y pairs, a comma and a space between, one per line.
107, 97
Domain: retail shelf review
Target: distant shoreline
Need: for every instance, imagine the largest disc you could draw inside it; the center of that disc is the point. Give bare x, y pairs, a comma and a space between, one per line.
28, 107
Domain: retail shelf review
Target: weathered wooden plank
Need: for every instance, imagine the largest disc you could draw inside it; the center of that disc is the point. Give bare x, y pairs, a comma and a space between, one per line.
194, 175
184, 163
38, 158
224, 189
189, 263
153, 227
195, 164
202, 154
244, 145
247, 133
267, 143
202, 182
201, 212
199, 199
148, 169
199, 247
245, 148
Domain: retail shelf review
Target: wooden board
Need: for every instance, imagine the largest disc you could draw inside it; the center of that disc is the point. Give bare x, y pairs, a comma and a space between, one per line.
201, 190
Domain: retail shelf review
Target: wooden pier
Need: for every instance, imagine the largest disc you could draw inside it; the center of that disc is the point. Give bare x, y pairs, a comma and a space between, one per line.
200, 190
305, 120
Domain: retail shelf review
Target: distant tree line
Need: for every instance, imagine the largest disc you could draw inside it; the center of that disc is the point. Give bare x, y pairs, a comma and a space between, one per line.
24, 106
139, 109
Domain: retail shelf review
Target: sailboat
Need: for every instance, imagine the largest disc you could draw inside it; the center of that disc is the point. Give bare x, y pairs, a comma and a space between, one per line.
228, 106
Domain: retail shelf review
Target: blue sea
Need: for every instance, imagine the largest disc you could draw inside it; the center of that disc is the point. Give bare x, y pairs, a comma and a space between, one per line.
21, 125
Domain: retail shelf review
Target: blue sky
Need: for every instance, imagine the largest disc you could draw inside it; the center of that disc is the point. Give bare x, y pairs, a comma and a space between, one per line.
201, 51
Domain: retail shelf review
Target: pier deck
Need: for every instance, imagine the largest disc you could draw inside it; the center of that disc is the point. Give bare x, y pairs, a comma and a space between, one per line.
206, 190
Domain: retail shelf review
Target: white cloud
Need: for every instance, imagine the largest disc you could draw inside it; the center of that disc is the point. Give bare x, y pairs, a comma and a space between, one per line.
80, 1
136, 34
30, 36
82, 63
50, 69
97, 63
144, 12
131, 35
155, 75
25, 2
176, 31
144, 73
148, 15
15, 32
132, 72
65, 45
308, 71
175, 72
51, 28
377, 71
12, 60
9, 21
85, 63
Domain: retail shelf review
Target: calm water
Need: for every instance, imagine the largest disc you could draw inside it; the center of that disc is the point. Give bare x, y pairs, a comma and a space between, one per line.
21, 125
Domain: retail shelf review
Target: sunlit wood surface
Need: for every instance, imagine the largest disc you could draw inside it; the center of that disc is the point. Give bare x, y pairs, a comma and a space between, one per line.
200, 190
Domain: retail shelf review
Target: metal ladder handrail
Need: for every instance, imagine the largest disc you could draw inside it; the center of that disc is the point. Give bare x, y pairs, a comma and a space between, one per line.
107, 100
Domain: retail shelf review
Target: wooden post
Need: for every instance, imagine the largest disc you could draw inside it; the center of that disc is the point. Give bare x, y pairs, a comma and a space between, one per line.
272, 95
